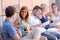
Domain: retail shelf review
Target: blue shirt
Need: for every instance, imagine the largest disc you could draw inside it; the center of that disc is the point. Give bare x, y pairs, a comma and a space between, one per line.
44, 19
8, 30
24, 24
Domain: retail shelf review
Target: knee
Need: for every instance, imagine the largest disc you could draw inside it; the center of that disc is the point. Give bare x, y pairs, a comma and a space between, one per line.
56, 38
43, 38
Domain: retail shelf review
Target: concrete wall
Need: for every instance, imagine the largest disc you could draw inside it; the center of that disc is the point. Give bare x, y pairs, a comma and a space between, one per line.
0, 13
18, 4
32, 3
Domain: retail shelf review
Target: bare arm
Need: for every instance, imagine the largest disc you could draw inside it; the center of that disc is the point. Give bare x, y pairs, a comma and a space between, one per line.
16, 37
19, 33
17, 22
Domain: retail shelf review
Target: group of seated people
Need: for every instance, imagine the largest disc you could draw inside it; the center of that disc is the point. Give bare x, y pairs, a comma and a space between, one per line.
41, 24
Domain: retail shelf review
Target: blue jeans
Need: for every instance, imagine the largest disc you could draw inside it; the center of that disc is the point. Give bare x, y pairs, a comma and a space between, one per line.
55, 34
49, 36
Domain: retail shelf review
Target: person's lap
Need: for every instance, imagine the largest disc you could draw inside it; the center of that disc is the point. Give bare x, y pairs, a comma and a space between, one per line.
55, 34
49, 36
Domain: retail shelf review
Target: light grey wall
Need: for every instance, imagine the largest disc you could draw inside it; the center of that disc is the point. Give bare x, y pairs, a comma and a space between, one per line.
58, 4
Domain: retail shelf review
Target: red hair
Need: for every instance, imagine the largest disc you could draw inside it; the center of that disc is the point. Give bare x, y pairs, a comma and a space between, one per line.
27, 16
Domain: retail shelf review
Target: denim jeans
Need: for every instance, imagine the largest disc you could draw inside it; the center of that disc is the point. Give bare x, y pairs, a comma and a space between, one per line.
55, 34
49, 36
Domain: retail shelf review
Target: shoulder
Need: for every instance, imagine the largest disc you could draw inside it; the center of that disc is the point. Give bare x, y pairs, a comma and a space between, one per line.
7, 24
59, 12
31, 16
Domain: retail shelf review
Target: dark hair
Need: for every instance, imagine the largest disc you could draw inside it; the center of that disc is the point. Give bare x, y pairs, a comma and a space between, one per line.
36, 8
10, 11
53, 4
27, 16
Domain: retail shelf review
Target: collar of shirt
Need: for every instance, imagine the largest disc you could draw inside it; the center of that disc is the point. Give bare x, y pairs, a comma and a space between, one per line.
36, 17
43, 15
10, 20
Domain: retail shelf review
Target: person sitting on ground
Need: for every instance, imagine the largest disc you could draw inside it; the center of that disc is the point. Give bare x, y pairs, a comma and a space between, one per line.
8, 29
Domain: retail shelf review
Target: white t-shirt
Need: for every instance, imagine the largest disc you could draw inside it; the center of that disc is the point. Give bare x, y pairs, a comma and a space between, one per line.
45, 23
34, 20
52, 30
55, 19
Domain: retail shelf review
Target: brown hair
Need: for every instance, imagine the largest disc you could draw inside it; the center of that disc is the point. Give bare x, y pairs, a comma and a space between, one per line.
27, 16
53, 4
10, 11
